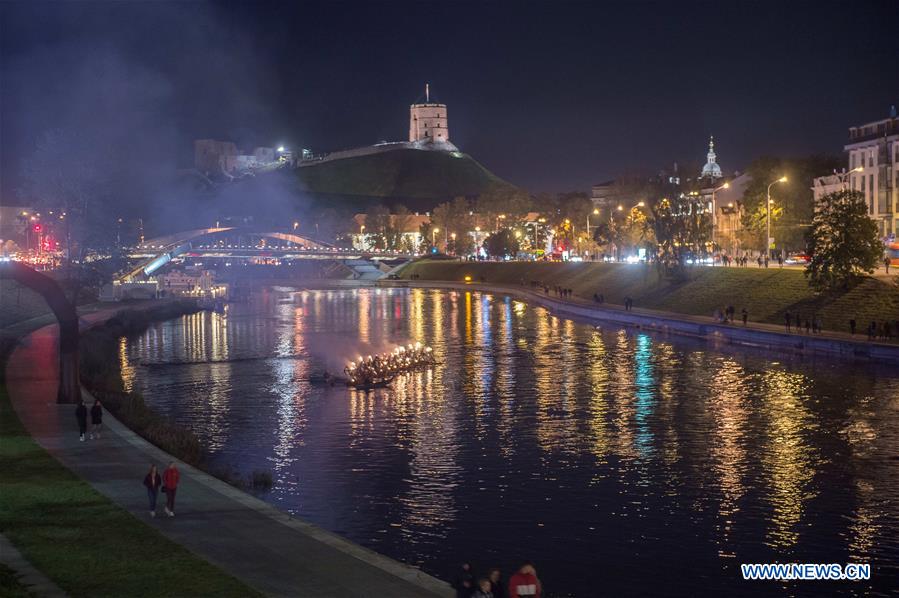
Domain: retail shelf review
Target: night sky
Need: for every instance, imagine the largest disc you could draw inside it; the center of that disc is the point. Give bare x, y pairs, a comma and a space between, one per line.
551, 96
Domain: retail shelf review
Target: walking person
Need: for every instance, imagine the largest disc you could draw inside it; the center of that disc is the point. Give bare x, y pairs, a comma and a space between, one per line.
170, 479
153, 482
81, 416
496, 583
787, 320
525, 583
745, 315
852, 326
886, 264
96, 418
464, 583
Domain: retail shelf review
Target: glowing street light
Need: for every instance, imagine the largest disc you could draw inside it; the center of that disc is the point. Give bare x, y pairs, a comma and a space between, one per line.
434, 237
782, 179
595, 213
844, 177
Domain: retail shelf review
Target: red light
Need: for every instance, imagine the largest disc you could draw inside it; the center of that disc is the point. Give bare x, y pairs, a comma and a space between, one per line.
37, 228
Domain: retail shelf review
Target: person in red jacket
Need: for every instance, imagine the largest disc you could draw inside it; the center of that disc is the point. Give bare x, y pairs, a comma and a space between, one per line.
170, 484
525, 584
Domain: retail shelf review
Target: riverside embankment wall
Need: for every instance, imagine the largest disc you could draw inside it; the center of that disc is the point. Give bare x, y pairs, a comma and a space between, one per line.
759, 335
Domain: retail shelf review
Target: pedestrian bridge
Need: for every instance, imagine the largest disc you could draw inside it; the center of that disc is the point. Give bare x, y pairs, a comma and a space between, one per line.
240, 243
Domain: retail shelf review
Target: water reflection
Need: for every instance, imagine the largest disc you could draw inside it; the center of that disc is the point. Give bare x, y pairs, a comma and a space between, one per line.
538, 437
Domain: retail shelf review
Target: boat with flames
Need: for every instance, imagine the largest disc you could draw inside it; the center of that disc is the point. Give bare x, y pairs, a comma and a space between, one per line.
379, 370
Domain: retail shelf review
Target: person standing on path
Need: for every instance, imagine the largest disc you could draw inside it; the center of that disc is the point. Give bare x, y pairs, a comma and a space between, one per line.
96, 418
525, 584
81, 416
153, 482
852, 326
483, 589
496, 584
170, 479
745, 315
787, 320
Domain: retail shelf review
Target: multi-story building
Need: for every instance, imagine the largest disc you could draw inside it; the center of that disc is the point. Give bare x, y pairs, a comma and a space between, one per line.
827, 184
874, 149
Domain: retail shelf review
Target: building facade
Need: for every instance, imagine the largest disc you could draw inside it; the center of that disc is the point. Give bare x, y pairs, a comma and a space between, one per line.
831, 183
874, 149
213, 157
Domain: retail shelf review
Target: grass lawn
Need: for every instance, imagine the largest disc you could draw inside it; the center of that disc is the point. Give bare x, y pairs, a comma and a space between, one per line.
10, 585
766, 293
79, 539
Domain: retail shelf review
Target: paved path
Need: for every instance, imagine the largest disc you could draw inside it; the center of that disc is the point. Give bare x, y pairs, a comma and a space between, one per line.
268, 550
34, 581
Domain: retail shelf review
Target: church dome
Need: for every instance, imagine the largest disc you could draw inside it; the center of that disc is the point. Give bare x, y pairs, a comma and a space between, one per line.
711, 169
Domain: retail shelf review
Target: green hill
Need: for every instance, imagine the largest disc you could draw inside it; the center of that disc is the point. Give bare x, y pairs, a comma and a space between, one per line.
400, 174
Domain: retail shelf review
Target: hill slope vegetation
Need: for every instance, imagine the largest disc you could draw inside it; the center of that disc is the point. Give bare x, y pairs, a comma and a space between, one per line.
401, 173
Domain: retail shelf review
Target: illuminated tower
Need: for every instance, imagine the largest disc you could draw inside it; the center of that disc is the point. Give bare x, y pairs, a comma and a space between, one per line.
428, 121
711, 168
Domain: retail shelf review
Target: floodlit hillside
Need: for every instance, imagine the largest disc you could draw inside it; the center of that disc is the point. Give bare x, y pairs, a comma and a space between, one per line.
400, 174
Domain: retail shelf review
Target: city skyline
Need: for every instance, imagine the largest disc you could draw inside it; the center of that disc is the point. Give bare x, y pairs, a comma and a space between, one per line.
606, 101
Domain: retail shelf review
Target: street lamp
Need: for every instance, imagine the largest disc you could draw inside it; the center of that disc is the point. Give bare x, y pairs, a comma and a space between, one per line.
434, 237
715, 207
595, 213
782, 179
453, 237
844, 177
295, 226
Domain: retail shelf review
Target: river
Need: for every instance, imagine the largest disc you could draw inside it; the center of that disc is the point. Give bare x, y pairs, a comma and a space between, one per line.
619, 462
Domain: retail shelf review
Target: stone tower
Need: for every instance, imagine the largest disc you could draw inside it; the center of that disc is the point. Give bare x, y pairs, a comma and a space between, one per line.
428, 121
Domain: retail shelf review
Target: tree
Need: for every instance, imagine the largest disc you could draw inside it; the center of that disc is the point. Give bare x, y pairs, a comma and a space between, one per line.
635, 229
502, 243
794, 198
453, 217
377, 226
397, 224
682, 230
505, 200
755, 224
843, 241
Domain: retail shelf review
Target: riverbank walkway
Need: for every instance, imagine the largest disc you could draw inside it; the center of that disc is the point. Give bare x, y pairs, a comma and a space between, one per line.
263, 547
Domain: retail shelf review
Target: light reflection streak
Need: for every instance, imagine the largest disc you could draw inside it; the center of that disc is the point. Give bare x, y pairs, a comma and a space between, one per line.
643, 383
727, 403
788, 460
